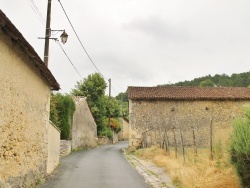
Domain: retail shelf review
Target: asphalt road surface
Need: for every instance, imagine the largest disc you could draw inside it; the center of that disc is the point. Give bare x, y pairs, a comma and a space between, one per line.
101, 167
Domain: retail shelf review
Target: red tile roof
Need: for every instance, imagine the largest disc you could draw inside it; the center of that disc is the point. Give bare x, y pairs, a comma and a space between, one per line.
189, 93
9, 29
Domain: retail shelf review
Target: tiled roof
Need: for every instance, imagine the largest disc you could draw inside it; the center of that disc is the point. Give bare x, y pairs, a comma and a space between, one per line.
9, 29
189, 93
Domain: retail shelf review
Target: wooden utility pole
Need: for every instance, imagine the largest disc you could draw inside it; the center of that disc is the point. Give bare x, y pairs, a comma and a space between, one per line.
109, 112
109, 87
47, 34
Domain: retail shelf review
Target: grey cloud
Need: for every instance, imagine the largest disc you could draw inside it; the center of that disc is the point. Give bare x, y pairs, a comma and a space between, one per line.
159, 28
144, 42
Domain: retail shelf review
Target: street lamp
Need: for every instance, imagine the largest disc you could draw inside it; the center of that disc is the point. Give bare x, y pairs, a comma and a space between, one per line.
64, 38
64, 35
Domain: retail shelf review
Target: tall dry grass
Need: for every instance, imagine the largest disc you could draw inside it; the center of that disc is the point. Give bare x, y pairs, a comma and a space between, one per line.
197, 171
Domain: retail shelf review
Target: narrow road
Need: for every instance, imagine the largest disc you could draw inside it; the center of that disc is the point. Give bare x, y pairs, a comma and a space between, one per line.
101, 167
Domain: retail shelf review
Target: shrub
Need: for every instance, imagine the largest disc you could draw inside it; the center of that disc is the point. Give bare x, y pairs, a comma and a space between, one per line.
115, 124
62, 108
240, 148
106, 131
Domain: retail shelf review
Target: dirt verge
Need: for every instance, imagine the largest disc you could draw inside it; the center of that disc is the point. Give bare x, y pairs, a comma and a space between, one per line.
153, 175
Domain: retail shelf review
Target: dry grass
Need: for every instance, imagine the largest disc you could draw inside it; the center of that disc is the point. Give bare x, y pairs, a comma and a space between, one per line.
197, 171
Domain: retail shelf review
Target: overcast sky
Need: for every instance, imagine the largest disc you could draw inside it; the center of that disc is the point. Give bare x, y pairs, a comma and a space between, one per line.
139, 42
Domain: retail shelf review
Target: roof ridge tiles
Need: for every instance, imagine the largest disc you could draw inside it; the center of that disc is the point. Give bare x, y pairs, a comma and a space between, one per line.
189, 93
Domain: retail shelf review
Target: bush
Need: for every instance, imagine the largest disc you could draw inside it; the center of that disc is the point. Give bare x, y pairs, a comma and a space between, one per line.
240, 148
115, 124
62, 108
107, 132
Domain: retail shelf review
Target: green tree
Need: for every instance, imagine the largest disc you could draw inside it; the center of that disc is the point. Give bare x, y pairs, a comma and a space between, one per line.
237, 80
62, 108
246, 79
122, 97
102, 107
113, 109
123, 103
207, 83
223, 81
93, 87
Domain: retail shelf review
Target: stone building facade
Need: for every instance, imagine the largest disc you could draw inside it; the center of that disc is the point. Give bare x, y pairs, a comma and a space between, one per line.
25, 88
124, 133
84, 128
157, 113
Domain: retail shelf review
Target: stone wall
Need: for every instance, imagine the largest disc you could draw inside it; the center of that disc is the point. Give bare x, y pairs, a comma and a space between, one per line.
115, 137
84, 128
103, 140
154, 120
53, 147
124, 133
65, 147
24, 118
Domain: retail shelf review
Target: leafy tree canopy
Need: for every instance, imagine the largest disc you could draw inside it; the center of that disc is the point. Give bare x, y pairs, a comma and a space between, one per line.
102, 107
123, 102
223, 80
207, 83
93, 87
122, 97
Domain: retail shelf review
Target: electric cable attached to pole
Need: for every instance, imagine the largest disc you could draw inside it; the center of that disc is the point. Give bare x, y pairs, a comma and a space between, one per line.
79, 39
69, 59
82, 44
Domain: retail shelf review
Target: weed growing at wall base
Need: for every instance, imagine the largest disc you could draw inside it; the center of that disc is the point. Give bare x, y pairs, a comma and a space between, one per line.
79, 149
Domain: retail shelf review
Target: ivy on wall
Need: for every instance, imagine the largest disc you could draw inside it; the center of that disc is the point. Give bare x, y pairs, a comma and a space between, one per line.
62, 108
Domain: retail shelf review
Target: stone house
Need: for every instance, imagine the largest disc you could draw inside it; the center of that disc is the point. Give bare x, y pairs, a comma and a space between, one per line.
83, 132
157, 113
84, 128
25, 89
124, 133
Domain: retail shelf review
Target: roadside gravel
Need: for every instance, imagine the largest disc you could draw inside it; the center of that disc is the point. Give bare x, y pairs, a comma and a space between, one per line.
153, 175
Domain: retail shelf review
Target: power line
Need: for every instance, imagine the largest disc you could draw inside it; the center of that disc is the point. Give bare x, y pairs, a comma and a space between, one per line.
69, 59
82, 44
79, 38
42, 20
36, 11
114, 89
117, 85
